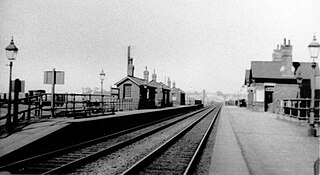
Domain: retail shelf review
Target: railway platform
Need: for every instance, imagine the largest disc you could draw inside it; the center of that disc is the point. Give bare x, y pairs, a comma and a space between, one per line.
45, 127
250, 142
52, 134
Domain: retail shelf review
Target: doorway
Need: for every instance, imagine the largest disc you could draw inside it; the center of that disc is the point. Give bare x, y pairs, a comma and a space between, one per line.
268, 97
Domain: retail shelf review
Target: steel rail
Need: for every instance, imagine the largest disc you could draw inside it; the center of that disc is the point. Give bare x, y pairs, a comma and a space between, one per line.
196, 154
114, 147
66, 150
134, 169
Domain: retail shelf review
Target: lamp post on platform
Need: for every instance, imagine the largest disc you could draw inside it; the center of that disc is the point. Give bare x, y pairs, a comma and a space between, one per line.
12, 52
314, 48
102, 75
299, 82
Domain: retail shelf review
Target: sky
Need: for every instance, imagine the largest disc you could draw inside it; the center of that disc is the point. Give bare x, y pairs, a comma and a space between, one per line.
205, 44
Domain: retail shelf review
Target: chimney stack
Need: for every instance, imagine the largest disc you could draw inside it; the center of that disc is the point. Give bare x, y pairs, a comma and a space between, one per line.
169, 82
146, 75
154, 75
130, 67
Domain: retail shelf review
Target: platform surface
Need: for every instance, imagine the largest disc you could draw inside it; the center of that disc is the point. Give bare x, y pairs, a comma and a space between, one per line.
44, 127
262, 143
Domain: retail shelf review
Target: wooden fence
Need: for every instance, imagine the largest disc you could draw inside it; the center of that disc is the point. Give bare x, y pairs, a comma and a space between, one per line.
64, 105
296, 108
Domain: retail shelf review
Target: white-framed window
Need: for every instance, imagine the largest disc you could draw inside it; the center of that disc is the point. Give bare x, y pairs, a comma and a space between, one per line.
127, 90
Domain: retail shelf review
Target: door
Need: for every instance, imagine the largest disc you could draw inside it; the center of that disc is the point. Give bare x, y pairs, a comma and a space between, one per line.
268, 97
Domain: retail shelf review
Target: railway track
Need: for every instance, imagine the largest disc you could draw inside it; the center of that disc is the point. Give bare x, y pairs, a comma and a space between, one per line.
179, 154
64, 160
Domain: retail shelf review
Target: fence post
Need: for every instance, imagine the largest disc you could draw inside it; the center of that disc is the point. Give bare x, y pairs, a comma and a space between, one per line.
29, 101
290, 108
299, 108
17, 89
40, 104
74, 105
89, 104
284, 104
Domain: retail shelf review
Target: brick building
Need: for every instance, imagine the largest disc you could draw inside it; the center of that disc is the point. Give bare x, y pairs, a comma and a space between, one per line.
178, 96
269, 81
146, 94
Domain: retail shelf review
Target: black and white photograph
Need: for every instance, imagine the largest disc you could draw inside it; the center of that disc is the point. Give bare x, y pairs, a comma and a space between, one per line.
108, 87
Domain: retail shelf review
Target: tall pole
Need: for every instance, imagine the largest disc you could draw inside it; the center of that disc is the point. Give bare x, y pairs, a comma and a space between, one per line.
52, 92
311, 120
102, 92
101, 87
8, 122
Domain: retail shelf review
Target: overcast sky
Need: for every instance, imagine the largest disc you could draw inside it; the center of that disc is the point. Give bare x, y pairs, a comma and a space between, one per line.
199, 44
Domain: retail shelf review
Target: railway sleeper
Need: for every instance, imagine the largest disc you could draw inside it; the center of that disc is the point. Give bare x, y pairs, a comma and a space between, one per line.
49, 165
62, 161
33, 170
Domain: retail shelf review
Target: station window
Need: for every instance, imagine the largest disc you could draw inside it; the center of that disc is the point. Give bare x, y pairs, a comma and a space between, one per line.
127, 90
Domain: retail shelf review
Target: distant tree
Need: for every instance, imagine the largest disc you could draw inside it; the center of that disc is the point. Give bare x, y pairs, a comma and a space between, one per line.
87, 90
219, 93
96, 90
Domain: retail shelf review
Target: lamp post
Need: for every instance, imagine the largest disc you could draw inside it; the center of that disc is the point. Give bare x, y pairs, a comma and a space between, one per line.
102, 75
299, 82
12, 52
314, 47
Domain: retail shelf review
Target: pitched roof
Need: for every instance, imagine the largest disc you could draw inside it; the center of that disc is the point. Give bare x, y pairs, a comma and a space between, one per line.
177, 90
271, 69
135, 80
155, 84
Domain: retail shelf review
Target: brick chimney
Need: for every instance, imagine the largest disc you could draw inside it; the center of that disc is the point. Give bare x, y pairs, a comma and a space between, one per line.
154, 75
146, 75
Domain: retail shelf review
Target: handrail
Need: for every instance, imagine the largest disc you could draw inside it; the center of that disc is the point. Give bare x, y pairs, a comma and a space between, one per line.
297, 108
67, 105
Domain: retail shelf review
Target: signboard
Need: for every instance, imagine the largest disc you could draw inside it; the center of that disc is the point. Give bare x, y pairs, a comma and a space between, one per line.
269, 89
59, 77
259, 95
114, 91
21, 86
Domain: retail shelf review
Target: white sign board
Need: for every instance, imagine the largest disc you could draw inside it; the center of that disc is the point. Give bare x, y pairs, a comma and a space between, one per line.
260, 95
59, 78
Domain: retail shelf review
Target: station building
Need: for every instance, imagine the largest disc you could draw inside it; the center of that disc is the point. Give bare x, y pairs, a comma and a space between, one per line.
269, 81
178, 96
148, 94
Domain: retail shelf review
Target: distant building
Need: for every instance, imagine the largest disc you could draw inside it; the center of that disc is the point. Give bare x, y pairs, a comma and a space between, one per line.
162, 96
269, 81
136, 89
178, 96
146, 94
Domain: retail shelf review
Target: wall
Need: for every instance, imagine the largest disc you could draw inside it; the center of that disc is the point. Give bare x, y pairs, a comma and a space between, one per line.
283, 91
135, 90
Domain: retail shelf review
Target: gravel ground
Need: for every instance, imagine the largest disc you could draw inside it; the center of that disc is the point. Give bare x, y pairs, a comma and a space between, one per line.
204, 163
119, 161
175, 159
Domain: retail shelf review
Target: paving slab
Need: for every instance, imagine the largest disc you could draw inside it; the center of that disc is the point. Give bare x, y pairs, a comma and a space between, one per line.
227, 158
267, 143
30, 134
